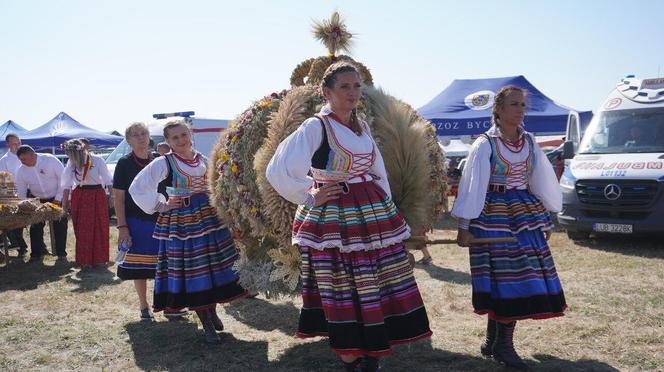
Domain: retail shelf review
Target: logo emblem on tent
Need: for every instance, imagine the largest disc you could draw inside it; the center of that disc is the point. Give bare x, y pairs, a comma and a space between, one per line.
479, 100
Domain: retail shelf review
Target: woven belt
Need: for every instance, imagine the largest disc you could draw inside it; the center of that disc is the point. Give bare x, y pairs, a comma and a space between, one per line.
89, 186
495, 187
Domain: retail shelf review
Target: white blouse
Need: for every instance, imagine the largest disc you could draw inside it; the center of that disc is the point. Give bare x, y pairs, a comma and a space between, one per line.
474, 182
97, 175
288, 168
144, 187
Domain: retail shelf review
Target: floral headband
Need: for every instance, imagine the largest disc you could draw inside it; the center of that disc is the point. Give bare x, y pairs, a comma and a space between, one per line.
71, 146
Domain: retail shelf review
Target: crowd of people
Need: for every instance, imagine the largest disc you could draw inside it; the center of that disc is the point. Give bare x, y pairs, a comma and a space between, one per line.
358, 287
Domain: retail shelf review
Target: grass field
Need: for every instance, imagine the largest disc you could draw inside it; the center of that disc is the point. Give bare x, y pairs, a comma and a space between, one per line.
55, 317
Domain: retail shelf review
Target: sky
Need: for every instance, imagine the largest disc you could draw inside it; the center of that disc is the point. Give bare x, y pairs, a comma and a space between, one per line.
109, 63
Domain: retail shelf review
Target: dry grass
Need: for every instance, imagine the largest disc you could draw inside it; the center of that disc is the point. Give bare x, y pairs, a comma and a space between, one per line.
54, 317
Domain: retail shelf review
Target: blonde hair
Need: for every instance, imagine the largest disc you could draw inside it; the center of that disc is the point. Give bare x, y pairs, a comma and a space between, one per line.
499, 101
175, 123
75, 150
133, 126
330, 78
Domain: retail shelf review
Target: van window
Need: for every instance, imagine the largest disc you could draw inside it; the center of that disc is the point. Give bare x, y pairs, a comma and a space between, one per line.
573, 135
625, 131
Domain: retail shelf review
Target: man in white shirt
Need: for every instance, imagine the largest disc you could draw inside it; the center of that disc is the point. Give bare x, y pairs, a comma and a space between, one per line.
10, 163
39, 176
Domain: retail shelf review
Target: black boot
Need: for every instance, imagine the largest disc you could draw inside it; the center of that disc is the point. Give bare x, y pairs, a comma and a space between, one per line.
354, 366
211, 336
218, 325
487, 346
503, 348
370, 364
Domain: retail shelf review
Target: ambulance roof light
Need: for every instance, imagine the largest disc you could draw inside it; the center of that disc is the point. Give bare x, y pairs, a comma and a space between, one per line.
184, 114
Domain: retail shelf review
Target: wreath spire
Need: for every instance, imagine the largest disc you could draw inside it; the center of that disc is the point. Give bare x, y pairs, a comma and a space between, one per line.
333, 34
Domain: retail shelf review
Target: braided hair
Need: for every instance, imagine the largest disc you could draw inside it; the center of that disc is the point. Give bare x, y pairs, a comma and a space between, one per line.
499, 101
330, 78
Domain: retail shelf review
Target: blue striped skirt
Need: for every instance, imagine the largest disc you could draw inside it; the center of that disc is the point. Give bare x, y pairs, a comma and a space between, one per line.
195, 259
141, 258
513, 281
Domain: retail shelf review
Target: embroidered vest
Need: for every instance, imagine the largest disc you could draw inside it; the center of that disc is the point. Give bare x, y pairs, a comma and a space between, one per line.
182, 183
334, 163
503, 172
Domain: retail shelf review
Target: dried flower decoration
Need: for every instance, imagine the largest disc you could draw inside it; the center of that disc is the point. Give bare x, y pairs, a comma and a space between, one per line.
333, 34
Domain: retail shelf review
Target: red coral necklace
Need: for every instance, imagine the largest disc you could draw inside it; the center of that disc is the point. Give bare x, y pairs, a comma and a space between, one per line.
193, 162
139, 161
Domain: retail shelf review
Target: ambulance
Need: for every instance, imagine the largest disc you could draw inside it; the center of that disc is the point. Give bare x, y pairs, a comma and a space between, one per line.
613, 183
205, 133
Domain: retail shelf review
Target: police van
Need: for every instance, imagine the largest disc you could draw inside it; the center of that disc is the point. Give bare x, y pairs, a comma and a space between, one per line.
205, 134
615, 182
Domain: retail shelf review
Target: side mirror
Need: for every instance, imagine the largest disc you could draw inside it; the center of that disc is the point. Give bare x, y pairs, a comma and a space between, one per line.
568, 150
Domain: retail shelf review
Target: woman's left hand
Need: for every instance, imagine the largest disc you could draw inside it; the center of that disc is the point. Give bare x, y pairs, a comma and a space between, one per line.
547, 234
123, 235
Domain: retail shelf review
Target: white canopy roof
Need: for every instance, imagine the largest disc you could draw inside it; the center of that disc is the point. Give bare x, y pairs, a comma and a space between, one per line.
456, 148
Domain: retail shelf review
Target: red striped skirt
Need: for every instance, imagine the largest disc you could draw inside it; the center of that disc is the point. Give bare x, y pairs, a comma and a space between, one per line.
89, 215
365, 301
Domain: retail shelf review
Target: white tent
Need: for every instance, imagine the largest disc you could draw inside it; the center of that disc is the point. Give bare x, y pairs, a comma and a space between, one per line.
456, 148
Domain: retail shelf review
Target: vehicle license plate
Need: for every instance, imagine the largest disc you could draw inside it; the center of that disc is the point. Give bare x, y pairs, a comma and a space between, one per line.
612, 228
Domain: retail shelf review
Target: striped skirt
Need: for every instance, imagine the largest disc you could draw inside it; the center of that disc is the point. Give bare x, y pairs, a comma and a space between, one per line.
195, 259
141, 258
89, 215
364, 218
365, 301
513, 281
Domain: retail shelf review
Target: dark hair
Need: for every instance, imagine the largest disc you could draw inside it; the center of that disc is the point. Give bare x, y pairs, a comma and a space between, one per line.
24, 149
11, 135
163, 144
175, 123
499, 101
330, 78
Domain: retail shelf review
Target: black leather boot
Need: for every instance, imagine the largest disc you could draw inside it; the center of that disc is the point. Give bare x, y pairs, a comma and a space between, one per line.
370, 364
211, 336
487, 346
503, 347
218, 324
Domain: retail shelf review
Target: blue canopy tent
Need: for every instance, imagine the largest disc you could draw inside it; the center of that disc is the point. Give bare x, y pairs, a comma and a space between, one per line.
49, 137
464, 108
8, 127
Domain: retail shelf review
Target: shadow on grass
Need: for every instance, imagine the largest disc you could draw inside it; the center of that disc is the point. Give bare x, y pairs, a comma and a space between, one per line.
180, 346
26, 276
552, 363
420, 356
445, 275
93, 279
265, 316
641, 246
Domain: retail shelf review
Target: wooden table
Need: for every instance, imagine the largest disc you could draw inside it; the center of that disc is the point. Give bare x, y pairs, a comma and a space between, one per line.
4, 240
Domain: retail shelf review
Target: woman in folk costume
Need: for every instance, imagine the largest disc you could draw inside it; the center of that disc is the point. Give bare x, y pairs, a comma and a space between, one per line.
135, 227
357, 285
508, 189
87, 174
196, 251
